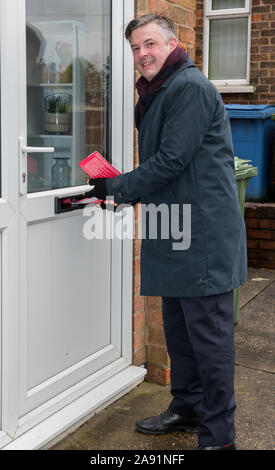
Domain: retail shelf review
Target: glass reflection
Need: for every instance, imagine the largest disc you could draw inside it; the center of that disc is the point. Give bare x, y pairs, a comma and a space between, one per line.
68, 87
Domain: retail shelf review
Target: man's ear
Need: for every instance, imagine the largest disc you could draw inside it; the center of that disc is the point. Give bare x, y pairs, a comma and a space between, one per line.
173, 42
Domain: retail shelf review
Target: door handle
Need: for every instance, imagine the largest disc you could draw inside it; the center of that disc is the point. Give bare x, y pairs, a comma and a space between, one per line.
26, 149
23, 167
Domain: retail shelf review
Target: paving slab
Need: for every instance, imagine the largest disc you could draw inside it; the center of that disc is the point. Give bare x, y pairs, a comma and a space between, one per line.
258, 280
254, 333
254, 423
114, 427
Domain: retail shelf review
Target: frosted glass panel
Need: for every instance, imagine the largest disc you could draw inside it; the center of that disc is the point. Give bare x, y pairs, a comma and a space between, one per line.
226, 4
228, 49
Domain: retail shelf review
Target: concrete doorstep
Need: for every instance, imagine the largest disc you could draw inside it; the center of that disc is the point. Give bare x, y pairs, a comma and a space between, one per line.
114, 427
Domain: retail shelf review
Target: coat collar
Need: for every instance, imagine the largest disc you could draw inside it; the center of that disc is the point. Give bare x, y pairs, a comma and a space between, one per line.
188, 64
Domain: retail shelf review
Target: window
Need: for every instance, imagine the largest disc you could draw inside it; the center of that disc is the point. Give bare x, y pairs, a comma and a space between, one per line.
227, 43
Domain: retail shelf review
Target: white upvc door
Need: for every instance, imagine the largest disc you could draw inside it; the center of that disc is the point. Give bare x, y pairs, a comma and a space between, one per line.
66, 300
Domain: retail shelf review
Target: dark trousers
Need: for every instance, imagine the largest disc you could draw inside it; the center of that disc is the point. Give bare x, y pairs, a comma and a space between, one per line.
200, 341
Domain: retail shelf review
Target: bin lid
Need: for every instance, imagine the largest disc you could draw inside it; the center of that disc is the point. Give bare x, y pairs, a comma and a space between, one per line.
250, 111
243, 169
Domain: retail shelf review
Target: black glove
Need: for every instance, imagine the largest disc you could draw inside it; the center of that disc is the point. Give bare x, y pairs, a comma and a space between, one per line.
99, 189
135, 201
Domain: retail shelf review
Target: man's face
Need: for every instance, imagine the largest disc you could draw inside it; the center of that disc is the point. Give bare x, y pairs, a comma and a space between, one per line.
150, 49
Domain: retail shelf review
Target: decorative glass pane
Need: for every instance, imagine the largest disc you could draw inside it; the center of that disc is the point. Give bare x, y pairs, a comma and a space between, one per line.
68, 88
227, 4
228, 49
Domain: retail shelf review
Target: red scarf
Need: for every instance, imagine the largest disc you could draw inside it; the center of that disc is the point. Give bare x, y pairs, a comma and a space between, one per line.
146, 88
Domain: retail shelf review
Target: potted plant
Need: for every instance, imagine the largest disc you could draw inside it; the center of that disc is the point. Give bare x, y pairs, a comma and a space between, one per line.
57, 113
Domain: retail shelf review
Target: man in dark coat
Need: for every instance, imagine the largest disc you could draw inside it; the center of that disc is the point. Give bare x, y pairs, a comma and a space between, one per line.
187, 168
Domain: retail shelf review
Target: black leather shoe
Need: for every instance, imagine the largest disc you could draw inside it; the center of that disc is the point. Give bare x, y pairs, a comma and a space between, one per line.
230, 446
168, 422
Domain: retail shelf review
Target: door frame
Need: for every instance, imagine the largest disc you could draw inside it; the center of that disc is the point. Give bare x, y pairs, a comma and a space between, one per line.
34, 430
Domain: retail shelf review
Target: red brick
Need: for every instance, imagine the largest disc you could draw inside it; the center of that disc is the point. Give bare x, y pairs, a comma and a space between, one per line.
138, 303
256, 17
192, 19
153, 302
139, 356
191, 4
261, 26
139, 339
267, 224
138, 320
158, 6
261, 234
261, 9
136, 265
160, 375
137, 246
270, 211
267, 245
153, 317
157, 355
141, 7
263, 255
252, 223
259, 57
155, 335
187, 35
178, 15
136, 283
252, 244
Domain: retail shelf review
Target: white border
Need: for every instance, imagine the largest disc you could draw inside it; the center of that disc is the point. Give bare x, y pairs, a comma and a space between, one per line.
9, 13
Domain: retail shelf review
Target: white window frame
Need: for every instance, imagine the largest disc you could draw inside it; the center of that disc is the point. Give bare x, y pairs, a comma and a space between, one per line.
230, 85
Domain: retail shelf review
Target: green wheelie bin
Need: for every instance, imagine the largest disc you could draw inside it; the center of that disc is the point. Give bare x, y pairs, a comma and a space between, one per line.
244, 171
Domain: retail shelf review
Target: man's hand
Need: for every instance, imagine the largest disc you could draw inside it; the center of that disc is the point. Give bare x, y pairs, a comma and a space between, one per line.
99, 189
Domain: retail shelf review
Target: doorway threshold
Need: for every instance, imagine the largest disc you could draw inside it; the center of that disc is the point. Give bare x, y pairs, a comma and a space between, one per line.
69, 418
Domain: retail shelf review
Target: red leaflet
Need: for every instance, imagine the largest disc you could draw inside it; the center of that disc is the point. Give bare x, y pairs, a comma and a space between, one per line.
96, 166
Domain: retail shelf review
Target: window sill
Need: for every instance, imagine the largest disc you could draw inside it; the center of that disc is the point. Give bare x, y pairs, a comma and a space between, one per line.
235, 88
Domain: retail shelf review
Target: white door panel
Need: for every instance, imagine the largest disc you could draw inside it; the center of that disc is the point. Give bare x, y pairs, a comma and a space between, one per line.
67, 318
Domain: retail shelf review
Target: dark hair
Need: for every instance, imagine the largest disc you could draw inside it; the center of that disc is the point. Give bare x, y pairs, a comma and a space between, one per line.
167, 26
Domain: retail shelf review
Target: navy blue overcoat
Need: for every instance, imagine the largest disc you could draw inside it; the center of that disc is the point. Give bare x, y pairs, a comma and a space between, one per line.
186, 159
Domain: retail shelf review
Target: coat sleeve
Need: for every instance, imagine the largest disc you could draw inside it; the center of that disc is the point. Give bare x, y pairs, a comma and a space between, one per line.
188, 114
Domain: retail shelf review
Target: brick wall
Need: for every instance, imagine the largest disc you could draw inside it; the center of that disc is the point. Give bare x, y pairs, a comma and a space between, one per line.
260, 229
149, 346
94, 110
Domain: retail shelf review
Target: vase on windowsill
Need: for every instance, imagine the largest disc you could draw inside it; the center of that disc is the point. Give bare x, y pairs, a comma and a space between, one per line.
61, 173
57, 116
